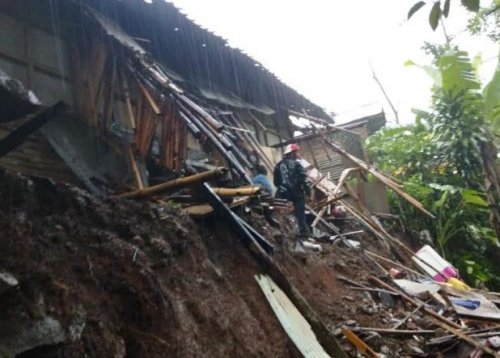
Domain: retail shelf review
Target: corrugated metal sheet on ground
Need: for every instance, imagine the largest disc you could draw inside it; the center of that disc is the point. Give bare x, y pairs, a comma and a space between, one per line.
295, 325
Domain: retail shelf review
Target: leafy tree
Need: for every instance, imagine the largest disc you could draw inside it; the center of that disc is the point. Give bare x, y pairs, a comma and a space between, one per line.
441, 8
443, 160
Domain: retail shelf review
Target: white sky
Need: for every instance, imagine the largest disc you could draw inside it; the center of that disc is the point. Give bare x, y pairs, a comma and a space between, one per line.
323, 48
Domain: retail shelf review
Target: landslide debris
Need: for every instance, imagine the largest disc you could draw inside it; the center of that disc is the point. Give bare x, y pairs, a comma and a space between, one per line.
116, 278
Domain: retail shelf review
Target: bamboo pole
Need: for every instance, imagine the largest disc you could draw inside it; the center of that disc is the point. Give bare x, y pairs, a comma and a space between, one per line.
149, 98
243, 191
172, 184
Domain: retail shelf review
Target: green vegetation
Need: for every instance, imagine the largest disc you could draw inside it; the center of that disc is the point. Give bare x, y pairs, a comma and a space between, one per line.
445, 160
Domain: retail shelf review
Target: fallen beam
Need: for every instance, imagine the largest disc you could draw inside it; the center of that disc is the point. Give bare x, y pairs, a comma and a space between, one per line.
243, 191
395, 331
384, 179
245, 231
364, 348
17, 137
172, 184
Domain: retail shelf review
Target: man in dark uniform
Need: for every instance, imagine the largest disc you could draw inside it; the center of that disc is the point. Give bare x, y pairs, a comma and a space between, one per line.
292, 184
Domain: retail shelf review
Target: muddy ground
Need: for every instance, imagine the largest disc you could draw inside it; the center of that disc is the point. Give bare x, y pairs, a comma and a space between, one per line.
116, 278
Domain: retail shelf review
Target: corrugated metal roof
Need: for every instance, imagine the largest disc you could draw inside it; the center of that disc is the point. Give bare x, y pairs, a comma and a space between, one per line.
295, 325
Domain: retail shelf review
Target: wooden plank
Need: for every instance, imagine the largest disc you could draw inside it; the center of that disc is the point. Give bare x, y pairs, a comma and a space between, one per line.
362, 347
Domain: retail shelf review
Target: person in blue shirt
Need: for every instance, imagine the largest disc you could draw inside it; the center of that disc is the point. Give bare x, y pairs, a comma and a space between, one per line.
262, 179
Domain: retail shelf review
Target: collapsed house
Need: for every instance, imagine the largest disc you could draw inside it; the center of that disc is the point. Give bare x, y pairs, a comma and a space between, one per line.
134, 100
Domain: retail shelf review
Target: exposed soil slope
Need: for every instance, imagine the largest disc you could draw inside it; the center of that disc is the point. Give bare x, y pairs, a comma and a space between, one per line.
115, 278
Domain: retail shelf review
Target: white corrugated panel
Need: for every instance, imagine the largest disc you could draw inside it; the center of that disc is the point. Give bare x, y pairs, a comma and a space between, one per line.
295, 325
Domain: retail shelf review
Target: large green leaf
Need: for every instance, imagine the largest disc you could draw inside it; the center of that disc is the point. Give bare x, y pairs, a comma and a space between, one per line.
435, 15
457, 72
474, 197
471, 5
417, 6
446, 8
492, 102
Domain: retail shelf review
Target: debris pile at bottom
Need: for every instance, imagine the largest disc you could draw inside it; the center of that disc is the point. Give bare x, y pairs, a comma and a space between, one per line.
109, 277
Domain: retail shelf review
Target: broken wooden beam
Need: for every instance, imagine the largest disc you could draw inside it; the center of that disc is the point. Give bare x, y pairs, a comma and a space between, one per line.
172, 184
395, 331
361, 346
15, 138
243, 191
384, 179
135, 169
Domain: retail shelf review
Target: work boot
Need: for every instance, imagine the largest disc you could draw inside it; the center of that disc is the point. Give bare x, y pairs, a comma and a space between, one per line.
312, 246
299, 247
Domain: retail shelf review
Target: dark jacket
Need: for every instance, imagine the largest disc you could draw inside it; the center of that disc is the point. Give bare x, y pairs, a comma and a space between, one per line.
291, 180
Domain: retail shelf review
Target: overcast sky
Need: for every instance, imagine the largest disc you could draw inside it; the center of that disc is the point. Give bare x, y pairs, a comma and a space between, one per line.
324, 48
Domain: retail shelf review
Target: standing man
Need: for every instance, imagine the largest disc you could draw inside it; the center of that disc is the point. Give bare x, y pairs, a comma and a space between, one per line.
291, 183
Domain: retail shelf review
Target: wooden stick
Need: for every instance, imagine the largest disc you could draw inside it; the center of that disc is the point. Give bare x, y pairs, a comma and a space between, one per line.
172, 184
330, 201
358, 343
343, 177
395, 263
135, 169
464, 337
444, 339
375, 290
416, 303
149, 98
395, 331
408, 316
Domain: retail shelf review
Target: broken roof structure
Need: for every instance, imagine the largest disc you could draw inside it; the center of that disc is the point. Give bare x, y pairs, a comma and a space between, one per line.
141, 74
156, 105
